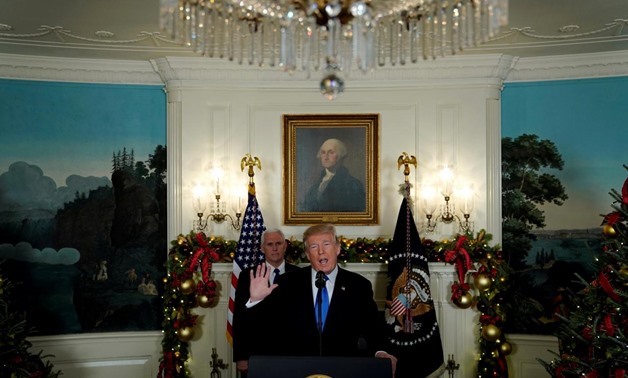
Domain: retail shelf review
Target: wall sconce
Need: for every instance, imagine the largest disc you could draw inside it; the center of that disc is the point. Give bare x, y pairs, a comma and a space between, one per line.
447, 214
217, 214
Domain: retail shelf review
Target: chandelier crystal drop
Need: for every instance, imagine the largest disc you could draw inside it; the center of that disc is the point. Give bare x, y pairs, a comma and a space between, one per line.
331, 36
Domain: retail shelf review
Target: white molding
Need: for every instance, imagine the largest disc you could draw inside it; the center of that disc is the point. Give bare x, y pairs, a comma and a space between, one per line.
576, 66
493, 168
101, 355
489, 69
26, 67
174, 156
457, 70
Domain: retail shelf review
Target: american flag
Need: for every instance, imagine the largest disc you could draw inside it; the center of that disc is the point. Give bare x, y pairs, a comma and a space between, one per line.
399, 305
248, 252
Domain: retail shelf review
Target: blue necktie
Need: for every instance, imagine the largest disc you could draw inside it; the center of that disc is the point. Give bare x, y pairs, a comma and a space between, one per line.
277, 273
322, 298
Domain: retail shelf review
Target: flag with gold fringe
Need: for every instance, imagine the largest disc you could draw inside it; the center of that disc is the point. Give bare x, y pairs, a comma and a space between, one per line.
413, 333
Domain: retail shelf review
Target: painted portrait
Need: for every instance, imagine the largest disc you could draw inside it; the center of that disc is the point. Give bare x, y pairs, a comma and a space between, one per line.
330, 168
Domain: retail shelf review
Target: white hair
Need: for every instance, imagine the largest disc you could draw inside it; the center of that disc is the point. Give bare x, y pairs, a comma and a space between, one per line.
339, 147
271, 231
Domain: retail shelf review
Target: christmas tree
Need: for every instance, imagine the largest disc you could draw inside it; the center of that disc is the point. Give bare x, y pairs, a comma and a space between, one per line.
593, 338
16, 360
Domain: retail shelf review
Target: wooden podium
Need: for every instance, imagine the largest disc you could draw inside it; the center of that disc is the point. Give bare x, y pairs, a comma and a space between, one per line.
318, 367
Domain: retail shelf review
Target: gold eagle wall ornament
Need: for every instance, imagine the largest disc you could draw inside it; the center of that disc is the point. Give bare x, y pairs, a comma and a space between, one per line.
405, 160
249, 161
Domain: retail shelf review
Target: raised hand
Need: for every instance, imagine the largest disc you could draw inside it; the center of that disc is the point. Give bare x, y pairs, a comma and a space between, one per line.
259, 289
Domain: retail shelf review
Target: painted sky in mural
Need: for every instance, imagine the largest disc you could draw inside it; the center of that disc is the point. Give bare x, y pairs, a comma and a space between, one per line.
586, 119
57, 143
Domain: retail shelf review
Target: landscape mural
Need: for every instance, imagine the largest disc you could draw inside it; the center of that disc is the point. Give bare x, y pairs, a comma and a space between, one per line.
83, 204
563, 150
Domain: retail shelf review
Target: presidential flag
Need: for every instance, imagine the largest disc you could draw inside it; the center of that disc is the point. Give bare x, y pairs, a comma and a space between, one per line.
248, 252
413, 334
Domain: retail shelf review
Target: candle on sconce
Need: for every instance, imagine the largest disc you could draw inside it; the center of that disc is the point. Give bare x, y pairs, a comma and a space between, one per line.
198, 199
428, 194
239, 202
217, 172
467, 200
446, 181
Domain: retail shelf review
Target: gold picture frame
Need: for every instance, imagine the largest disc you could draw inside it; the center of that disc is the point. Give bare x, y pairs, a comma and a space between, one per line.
312, 144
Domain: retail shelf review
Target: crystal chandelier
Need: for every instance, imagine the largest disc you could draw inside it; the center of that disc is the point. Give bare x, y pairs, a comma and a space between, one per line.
331, 36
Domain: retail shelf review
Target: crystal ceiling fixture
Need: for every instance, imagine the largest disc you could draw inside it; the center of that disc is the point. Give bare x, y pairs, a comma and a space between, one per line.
331, 36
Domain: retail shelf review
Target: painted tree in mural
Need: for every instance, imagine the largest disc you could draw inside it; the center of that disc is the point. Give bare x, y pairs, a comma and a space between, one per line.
15, 358
594, 337
525, 186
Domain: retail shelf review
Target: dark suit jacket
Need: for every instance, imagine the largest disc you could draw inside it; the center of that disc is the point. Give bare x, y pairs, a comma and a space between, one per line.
343, 193
247, 330
353, 327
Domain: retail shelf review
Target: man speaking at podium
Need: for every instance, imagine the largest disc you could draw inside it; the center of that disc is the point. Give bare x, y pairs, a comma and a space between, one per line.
322, 309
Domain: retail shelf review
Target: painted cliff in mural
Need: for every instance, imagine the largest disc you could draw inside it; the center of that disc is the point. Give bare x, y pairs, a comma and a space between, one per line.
87, 256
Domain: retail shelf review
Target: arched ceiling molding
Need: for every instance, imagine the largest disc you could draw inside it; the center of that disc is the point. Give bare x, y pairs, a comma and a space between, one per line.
79, 70
487, 69
451, 71
576, 66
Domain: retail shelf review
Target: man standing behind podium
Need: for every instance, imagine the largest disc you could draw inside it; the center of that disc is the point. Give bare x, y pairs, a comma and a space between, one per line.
352, 326
246, 331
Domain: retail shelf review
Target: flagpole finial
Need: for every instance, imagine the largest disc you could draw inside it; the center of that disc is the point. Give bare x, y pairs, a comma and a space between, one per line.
249, 161
405, 160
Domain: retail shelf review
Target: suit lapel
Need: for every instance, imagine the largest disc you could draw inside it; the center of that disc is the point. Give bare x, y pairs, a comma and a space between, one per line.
339, 298
308, 305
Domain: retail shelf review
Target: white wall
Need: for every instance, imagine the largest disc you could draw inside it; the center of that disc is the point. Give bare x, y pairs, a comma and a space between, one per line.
451, 118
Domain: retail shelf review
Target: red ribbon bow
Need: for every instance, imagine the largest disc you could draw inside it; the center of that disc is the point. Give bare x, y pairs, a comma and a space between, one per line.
167, 366
488, 319
204, 255
606, 285
608, 324
460, 257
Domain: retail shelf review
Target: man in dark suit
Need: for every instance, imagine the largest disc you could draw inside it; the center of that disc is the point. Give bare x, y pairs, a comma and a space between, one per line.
352, 326
246, 331
335, 189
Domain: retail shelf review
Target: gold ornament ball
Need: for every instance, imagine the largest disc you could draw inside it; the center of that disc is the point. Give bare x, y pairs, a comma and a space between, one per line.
623, 272
204, 301
185, 334
482, 281
491, 332
505, 348
609, 231
465, 301
188, 286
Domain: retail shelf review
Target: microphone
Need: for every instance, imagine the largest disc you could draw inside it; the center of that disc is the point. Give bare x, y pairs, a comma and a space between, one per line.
320, 284
320, 279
